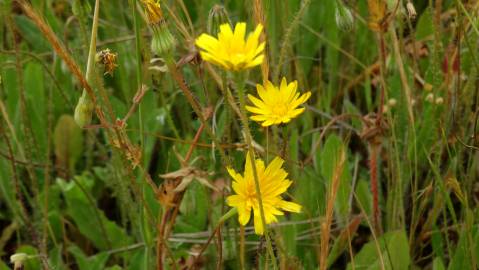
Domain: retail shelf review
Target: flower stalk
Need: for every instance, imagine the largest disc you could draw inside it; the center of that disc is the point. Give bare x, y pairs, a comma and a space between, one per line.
240, 80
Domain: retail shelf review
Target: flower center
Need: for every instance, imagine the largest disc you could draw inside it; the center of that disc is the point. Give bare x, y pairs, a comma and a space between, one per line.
280, 109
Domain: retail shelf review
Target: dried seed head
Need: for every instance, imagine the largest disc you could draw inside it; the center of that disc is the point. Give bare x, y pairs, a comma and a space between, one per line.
411, 10
218, 16
108, 59
344, 17
439, 101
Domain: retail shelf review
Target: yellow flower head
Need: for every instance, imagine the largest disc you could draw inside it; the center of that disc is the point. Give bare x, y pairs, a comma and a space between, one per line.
277, 105
153, 11
272, 183
230, 50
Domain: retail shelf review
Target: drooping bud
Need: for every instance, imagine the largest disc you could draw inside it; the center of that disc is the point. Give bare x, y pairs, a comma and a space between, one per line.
18, 259
83, 111
344, 17
218, 16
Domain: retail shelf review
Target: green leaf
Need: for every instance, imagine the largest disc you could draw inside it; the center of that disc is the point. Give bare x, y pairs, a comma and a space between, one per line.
96, 262
394, 251
329, 160
467, 251
91, 221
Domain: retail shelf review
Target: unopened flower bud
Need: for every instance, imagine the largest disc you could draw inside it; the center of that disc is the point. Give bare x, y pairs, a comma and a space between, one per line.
344, 17
427, 86
83, 111
392, 102
430, 97
163, 41
411, 10
385, 108
18, 259
218, 16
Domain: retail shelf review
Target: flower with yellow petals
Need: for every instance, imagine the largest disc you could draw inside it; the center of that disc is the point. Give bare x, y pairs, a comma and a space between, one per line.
153, 11
277, 105
230, 50
272, 183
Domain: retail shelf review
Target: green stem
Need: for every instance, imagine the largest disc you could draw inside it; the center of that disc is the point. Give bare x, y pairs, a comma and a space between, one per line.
146, 235
240, 80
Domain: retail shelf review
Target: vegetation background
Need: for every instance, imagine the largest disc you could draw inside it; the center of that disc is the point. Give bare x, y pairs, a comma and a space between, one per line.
394, 101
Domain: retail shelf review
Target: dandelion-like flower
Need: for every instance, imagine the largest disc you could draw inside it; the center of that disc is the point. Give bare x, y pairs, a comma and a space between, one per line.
230, 50
277, 105
272, 183
153, 11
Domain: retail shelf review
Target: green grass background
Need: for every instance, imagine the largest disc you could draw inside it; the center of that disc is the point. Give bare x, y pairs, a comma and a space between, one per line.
87, 205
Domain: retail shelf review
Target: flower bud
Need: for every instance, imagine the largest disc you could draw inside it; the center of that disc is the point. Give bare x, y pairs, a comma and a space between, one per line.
411, 10
392, 102
430, 97
18, 259
344, 17
163, 41
218, 16
83, 111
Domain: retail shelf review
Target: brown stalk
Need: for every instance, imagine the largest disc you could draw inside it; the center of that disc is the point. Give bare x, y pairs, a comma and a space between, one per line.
170, 213
326, 224
258, 14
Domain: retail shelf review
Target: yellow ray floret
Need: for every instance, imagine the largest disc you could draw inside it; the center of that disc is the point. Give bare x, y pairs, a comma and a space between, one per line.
230, 50
277, 105
153, 11
272, 183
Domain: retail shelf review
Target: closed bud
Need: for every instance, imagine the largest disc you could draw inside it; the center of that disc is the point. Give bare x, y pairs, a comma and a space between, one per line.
392, 102
411, 10
344, 17
430, 97
218, 16
163, 41
83, 111
18, 259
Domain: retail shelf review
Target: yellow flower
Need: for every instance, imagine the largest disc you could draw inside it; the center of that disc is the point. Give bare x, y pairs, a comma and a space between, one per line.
153, 11
230, 50
277, 105
272, 183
